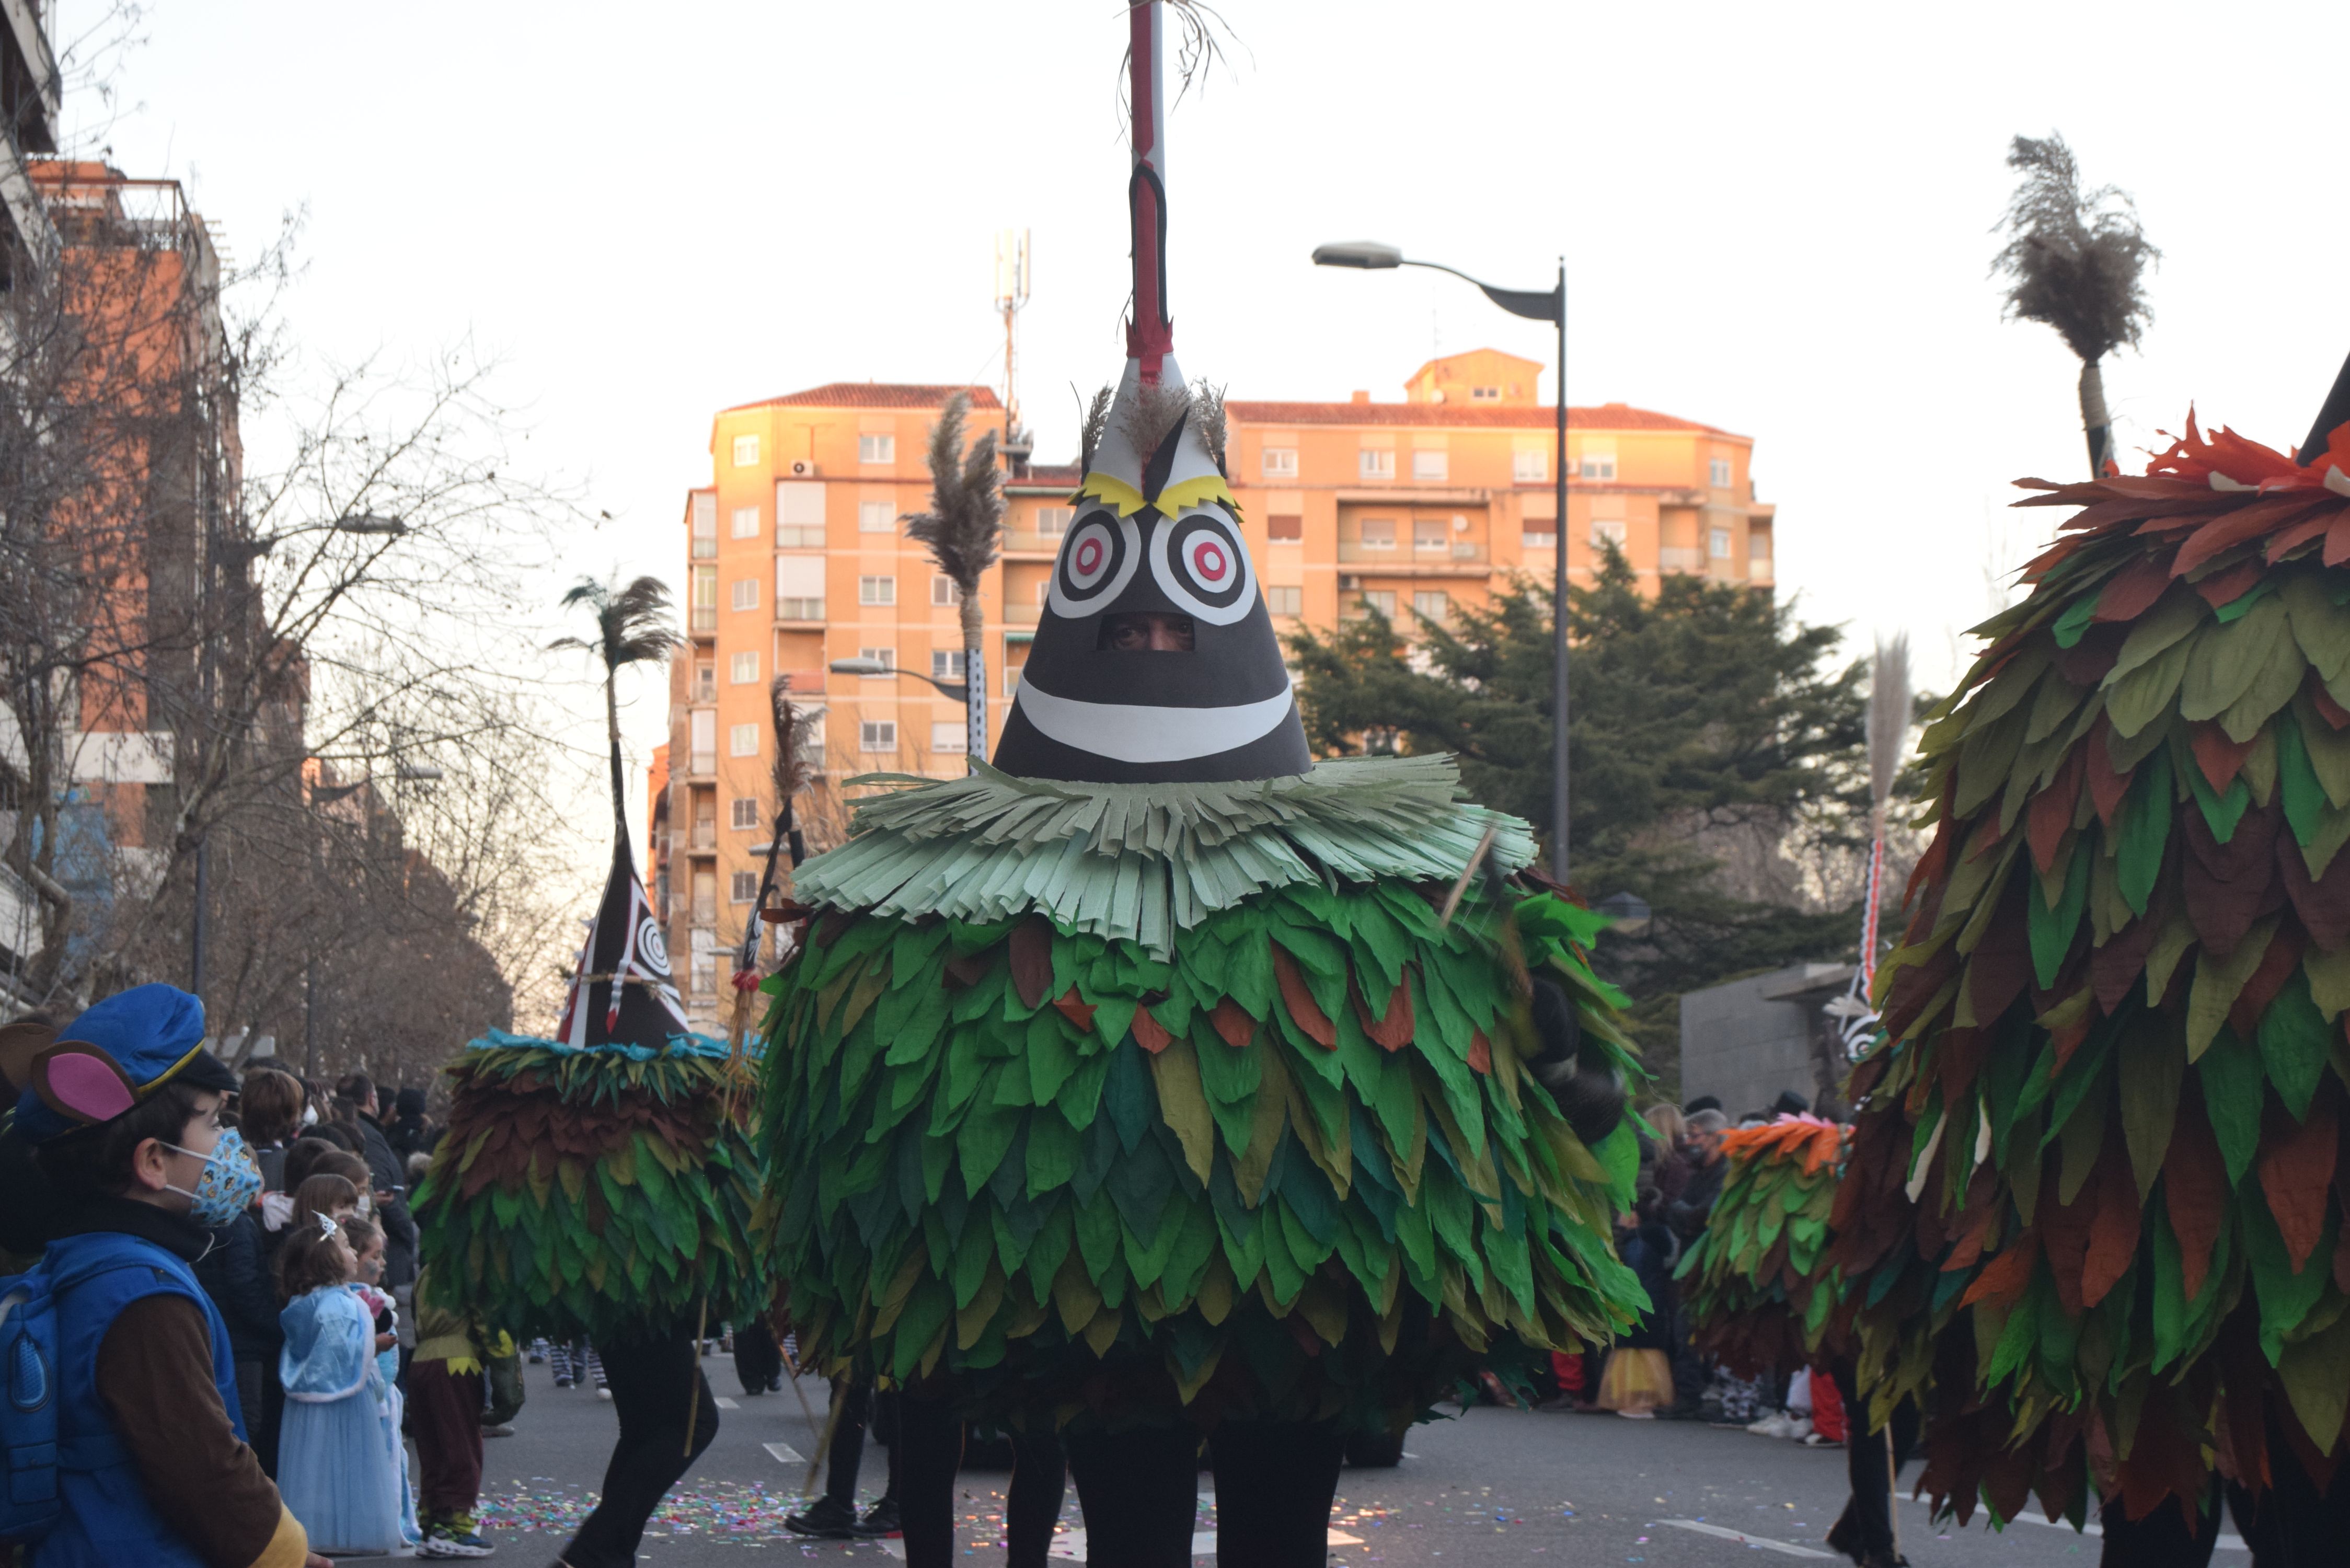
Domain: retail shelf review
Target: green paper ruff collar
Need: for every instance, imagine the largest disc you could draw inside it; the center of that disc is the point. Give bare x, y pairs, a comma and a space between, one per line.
1141, 862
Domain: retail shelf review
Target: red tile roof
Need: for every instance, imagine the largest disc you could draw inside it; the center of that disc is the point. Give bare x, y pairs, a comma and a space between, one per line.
873, 395
1605, 417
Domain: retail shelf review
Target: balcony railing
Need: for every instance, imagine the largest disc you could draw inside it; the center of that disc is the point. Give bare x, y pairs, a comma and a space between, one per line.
1019, 542
1403, 558
705, 910
1680, 558
705, 834
805, 683
1023, 615
705, 763
705, 617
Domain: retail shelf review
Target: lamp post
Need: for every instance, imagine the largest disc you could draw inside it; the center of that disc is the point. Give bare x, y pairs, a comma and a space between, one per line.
241, 553
959, 691
1550, 305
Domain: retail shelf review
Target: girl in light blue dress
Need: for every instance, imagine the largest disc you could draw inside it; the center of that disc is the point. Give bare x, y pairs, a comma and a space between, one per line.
339, 1460
365, 1243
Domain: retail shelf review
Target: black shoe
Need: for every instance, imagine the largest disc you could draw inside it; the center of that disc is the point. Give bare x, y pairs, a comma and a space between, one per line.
879, 1520
774, 1382
826, 1518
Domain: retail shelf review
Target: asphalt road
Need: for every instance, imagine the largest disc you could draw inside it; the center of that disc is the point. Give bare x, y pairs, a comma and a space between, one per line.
1494, 1487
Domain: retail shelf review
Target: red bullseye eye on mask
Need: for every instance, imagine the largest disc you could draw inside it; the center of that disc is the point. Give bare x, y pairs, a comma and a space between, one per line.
1200, 563
1097, 560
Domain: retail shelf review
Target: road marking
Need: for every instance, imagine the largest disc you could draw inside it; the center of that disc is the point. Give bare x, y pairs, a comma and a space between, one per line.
1764, 1542
726, 1404
784, 1453
1069, 1546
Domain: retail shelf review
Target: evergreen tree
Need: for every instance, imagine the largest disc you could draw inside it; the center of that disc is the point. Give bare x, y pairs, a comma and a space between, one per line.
1703, 707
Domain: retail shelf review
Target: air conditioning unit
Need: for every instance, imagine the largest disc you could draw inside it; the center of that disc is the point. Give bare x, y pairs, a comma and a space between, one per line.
803, 468
1348, 583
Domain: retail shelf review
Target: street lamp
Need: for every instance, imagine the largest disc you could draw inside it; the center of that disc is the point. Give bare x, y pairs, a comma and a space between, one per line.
958, 689
1547, 305
349, 523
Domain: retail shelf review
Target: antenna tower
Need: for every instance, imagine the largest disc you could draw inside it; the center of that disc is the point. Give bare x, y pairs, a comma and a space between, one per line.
1012, 279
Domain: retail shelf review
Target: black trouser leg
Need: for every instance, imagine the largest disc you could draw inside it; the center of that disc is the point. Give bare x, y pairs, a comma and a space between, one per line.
1140, 1492
2160, 1540
1275, 1483
1865, 1533
657, 1389
926, 1455
2293, 1524
885, 1431
845, 1457
1040, 1480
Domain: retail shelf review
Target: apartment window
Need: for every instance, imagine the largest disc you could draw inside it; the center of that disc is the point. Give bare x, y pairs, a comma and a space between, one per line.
1011, 681
877, 735
1052, 522
1606, 530
1757, 545
1430, 467
1380, 600
1290, 600
876, 590
799, 514
1717, 473
1430, 534
877, 449
744, 886
706, 681
746, 451
799, 587
742, 739
1375, 464
705, 599
746, 522
1529, 467
745, 591
876, 517
1280, 462
706, 901
705, 969
949, 735
1288, 529
812, 746
1717, 544
1598, 468
1484, 394
946, 664
943, 590
742, 669
705, 742
1378, 533
706, 528
1435, 606
746, 811
885, 657
1542, 541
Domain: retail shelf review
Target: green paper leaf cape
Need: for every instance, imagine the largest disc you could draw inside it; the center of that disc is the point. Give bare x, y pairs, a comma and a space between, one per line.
597, 1191
2094, 1198
1121, 1099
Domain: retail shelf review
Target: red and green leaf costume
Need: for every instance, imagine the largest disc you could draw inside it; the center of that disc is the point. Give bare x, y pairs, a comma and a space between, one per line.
2095, 1194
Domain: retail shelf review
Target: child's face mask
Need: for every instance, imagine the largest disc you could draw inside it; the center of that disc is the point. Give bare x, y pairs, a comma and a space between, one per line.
228, 1185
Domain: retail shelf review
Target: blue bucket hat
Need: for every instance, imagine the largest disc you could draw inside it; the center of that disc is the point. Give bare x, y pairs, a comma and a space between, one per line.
115, 1056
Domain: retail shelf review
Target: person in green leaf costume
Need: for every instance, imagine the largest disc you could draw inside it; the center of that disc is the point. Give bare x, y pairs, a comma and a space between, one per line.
1139, 1083
602, 1183
2094, 1203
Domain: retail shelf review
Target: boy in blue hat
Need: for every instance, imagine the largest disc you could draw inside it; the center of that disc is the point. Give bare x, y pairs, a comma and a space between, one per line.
123, 1113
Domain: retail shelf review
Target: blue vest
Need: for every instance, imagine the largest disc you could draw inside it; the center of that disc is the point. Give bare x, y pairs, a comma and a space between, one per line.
107, 1518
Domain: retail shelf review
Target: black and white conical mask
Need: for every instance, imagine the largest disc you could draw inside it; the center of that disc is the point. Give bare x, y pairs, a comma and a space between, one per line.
1155, 660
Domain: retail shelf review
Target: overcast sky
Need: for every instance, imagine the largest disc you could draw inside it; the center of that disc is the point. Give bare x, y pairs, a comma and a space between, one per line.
1776, 220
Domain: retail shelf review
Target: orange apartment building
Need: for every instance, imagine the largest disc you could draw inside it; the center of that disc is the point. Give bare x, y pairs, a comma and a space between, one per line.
795, 557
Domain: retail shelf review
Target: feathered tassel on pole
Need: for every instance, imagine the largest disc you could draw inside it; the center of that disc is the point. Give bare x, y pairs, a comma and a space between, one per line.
1888, 736
2076, 260
964, 528
789, 774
